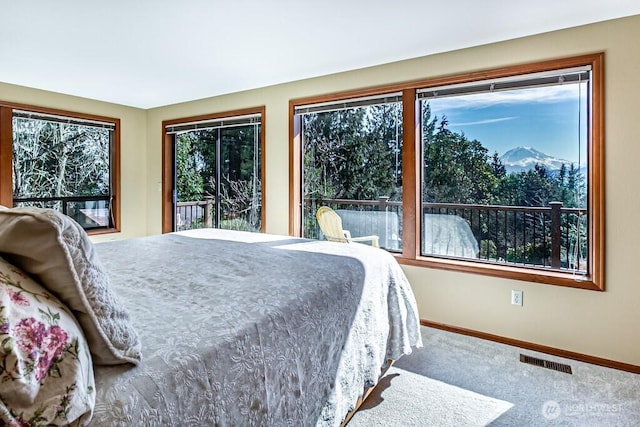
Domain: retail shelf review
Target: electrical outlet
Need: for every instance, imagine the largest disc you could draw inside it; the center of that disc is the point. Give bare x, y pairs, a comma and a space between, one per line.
516, 297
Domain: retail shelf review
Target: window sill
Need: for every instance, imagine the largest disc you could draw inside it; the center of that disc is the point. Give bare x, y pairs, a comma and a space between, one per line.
506, 272
99, 231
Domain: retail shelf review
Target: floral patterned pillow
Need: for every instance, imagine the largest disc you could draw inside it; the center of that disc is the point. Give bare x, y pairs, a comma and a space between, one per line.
46, 371
53, 249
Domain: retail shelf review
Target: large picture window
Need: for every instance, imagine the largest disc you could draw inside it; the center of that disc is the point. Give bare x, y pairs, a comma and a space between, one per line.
504, 176
214, 170
499, 172
62, 161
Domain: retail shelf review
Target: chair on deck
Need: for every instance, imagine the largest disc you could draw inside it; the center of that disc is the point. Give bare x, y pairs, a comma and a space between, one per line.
331, 226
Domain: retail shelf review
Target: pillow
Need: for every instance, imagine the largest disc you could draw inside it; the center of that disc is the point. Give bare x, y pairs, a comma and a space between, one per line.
46, 371
56, 251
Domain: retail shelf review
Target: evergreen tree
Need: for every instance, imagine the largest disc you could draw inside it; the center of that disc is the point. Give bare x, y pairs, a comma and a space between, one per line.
456, 169
351, 154
497, 167
535, 187
576, 188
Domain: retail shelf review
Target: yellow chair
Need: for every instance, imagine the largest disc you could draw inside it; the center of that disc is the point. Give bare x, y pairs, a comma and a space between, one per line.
331, 226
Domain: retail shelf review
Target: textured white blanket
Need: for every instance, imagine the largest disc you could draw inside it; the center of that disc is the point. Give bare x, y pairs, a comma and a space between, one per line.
252, 329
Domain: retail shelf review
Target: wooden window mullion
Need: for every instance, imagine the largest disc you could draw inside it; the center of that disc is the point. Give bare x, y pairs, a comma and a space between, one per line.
6, 155
410, 175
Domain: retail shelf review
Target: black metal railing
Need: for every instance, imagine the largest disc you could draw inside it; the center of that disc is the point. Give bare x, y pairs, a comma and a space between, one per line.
551, 236
83, 209
547, 237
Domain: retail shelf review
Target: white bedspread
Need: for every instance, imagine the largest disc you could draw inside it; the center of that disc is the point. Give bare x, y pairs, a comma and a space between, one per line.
252, 329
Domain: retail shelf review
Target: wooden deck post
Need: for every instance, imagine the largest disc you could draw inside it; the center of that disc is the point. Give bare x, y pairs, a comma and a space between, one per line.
208, 211
382, 200
556, 234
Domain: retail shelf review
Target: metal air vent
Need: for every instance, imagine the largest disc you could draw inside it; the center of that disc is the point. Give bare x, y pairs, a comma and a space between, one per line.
560, 367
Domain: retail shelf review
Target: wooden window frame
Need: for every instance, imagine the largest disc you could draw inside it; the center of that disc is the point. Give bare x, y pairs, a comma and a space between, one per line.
411, 156
6, 156
168, 161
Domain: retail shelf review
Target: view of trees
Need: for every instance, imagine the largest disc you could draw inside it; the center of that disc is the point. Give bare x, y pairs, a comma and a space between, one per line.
58, 162
356, 154
351, 154
240, 186
459, 170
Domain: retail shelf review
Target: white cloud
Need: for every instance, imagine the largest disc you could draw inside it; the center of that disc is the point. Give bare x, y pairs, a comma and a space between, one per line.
548, 94
483, 122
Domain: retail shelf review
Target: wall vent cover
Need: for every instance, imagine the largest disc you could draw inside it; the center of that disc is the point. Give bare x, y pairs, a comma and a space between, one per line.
560, 367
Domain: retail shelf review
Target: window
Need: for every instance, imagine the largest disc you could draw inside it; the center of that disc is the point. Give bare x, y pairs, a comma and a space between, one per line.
351, 162
501, 173
216, 171
61, 160
504, 170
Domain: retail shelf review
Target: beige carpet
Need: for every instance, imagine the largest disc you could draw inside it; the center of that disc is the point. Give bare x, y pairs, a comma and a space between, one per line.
457, 380
417, 400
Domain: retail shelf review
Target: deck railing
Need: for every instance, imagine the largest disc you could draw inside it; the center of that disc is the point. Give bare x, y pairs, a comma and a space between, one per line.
194, 214
89, 211
201, 214
549, 237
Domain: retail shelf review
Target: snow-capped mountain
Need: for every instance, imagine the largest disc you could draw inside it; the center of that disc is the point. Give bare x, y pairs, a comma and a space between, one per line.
525, 158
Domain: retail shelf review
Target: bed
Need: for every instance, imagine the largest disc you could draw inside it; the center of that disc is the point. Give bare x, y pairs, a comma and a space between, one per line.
236, 328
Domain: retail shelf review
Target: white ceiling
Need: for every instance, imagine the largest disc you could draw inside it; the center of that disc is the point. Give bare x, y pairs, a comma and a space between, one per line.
149, 53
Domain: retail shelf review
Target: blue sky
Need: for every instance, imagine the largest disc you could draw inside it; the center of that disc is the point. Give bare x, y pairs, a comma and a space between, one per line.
545, 118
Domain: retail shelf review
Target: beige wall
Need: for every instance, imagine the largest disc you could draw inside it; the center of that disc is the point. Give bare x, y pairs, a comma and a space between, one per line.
133, 146
602, 324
